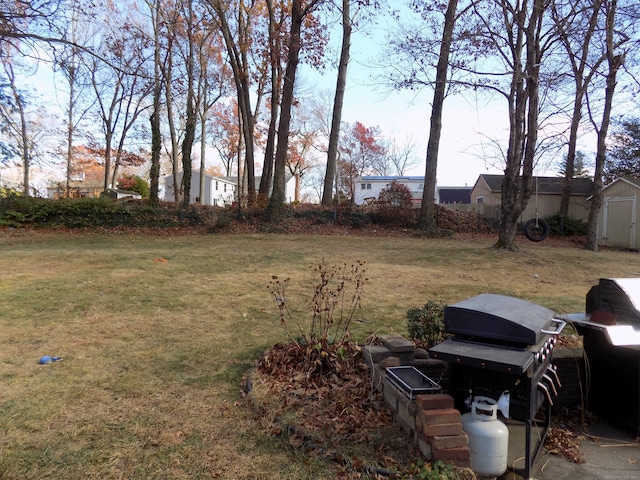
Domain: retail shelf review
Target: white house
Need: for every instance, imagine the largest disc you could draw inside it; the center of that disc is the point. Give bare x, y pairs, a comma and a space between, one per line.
368, 188
217, 191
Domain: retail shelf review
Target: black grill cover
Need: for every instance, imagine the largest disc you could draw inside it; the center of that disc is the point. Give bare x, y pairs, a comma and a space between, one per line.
616, 295
498, 317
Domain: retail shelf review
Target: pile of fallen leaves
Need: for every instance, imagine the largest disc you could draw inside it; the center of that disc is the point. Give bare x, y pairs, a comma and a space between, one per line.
320, 397
566, 433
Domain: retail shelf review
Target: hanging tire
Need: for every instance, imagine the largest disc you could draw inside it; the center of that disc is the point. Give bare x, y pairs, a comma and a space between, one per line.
536, 230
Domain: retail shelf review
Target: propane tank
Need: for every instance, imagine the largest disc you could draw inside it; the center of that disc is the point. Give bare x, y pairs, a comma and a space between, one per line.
488, 438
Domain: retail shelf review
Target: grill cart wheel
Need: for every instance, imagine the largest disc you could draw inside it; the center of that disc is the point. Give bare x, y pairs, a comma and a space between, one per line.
536, 230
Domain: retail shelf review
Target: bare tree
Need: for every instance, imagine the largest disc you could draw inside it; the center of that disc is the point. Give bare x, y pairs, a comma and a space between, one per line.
615, 60
299, 11
427, 207
401, 157
336, 119
121, 87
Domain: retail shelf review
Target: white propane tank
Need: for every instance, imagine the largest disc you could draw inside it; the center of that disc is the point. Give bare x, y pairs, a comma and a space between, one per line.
488, 438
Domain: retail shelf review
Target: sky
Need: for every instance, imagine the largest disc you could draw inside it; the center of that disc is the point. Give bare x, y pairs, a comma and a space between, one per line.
470, 123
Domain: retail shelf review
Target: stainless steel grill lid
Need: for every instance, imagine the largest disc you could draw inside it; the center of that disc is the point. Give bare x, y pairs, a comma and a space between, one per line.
499, 317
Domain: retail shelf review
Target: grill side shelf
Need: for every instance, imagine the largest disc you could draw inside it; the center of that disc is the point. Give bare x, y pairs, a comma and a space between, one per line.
481, 356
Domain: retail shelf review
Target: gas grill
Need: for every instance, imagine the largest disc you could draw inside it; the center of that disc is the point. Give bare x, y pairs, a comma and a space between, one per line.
501, 348
611, 336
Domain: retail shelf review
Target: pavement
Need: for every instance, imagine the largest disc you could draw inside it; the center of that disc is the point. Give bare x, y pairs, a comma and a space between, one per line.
610, 452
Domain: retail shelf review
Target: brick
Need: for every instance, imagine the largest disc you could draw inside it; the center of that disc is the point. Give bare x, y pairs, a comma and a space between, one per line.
397, 343
437, 401
449, 441
446, 454
437, 417
442, 429
390, 362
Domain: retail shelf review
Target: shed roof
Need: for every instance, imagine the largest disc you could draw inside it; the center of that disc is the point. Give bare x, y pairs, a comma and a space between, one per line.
545, 185
630, 180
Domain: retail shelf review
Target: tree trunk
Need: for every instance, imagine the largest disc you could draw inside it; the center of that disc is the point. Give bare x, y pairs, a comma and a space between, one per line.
24, 139
191, 118
276, 207
579, 65
336, 118
156, 137
523, 128
615, 62
426, 218
266, 181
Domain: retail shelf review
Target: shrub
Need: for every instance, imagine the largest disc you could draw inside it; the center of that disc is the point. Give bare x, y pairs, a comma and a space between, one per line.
394, 205
426, 324
134, 183
564, 225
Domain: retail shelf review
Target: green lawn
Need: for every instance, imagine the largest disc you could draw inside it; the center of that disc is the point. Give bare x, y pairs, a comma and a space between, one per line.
156, 333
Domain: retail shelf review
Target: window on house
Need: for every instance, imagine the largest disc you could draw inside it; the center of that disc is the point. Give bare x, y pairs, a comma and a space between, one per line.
368, 186
225, 187
216, 186
480, 200
421, 186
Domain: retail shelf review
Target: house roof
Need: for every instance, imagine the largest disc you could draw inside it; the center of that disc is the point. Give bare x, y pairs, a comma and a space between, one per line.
454, 194
630, 180
545, 185
390, 178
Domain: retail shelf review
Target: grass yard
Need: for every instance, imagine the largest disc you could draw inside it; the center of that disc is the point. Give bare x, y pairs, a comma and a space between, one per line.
156, 333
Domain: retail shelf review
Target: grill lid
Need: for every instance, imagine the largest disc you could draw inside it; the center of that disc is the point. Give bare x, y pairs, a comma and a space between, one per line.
498, 317
619, 296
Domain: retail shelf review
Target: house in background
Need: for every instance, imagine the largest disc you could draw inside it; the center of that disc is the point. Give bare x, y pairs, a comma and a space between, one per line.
619, 216
545, 198
218, 191
78, 188
368, 189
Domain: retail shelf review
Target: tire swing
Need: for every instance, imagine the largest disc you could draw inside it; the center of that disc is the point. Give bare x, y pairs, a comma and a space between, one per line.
536, 229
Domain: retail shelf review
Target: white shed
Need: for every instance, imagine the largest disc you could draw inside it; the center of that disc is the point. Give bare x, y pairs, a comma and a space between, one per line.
619, 215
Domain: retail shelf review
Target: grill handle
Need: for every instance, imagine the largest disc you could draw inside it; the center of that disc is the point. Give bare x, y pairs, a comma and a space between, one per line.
560, 324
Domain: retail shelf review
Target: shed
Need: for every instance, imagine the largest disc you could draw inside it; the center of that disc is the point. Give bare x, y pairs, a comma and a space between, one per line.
619, 215
546, 196
119, 194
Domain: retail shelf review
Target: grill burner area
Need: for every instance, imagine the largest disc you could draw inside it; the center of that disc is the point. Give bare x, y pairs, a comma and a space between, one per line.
504, 344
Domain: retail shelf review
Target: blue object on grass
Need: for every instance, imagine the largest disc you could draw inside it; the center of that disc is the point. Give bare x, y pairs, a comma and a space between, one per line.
48, 359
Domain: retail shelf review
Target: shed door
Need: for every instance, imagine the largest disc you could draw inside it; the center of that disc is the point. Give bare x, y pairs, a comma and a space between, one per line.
619, 229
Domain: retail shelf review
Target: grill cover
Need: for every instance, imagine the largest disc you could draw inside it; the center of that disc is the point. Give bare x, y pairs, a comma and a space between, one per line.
498, 317
620, 296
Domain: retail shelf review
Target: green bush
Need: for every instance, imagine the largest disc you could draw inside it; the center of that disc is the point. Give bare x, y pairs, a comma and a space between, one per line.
134, 183
426, 324
564, 225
